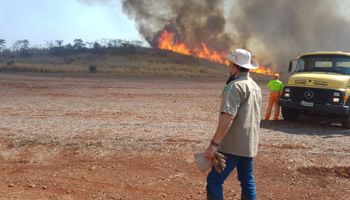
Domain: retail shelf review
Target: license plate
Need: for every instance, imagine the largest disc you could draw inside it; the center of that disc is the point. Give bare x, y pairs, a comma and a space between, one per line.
307, 104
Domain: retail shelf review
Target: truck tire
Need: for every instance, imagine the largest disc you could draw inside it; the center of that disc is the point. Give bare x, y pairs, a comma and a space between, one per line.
346, 121
290, 114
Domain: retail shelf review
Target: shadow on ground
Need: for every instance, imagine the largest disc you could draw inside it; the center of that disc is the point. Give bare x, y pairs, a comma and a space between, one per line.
309, 126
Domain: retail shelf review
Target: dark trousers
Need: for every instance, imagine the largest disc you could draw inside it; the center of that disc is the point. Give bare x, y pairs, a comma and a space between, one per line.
245, 166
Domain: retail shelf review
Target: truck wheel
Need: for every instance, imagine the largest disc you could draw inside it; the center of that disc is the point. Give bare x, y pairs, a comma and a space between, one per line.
346, 121
290, 114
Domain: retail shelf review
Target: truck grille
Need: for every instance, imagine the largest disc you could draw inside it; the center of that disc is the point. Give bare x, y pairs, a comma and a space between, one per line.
316, 95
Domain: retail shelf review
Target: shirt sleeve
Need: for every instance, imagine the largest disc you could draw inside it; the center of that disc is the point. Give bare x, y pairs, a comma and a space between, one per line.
282, 85
231, 100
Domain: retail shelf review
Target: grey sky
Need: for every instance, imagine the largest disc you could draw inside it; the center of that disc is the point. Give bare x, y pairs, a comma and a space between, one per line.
48, 20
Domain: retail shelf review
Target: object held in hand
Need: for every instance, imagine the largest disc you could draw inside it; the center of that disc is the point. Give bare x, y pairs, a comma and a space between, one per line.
219, 162
202, 163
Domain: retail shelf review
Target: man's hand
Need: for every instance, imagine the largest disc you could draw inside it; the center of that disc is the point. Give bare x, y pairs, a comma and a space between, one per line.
209, 152
217, 159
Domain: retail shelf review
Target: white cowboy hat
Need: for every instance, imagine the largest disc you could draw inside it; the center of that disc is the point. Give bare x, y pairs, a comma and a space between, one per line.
242, 58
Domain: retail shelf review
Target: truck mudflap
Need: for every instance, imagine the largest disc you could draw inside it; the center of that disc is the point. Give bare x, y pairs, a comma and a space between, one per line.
321, 108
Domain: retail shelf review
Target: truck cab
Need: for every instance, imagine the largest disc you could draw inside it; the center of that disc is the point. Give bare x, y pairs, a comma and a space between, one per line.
320, 85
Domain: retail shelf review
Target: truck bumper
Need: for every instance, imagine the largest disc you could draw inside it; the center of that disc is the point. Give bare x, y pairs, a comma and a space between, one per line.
320, 108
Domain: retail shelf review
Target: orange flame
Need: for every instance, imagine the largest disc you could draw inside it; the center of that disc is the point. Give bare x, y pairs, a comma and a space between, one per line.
166, 42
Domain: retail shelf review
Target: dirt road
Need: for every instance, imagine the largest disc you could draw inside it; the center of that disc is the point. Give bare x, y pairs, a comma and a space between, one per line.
130, 138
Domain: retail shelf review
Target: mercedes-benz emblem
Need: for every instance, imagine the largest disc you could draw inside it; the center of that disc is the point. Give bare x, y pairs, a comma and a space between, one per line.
308, 94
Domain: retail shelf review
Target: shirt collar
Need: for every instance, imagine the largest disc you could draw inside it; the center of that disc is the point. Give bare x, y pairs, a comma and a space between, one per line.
242, 74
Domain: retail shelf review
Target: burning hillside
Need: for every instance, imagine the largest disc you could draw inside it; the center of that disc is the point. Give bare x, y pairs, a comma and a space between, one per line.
167, 41
275, 31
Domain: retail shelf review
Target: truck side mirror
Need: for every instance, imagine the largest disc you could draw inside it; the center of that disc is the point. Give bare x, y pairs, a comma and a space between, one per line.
290, 66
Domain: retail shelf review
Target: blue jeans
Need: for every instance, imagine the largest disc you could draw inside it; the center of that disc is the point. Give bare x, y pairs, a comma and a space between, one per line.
245, 173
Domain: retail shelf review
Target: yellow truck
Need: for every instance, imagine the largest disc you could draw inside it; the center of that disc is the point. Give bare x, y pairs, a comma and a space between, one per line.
320, 85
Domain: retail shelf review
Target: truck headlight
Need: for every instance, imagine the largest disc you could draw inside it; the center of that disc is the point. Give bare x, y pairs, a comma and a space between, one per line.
336, 94
286, 93
336, 99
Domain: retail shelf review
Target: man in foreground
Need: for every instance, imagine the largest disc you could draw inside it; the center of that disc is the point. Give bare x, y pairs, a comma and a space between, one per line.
236, 136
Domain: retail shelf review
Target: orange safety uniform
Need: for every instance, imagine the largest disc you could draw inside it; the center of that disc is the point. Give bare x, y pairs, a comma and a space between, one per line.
275, 87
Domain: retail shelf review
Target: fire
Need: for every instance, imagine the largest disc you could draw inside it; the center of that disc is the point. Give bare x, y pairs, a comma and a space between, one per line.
264, 70
166, 41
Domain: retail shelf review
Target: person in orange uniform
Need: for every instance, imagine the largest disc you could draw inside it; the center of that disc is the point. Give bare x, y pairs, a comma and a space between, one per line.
275, 86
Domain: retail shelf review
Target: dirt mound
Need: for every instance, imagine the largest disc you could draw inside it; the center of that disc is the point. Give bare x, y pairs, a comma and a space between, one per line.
343, 172
286, 146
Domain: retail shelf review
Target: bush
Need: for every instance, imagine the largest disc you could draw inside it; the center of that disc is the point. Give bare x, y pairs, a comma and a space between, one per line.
10, 63
92, 68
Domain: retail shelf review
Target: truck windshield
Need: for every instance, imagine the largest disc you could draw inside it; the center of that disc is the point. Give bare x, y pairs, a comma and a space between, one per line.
324, 63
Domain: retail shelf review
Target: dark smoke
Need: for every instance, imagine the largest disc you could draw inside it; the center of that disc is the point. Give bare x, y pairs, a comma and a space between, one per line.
192, 21
274, 30
287, 28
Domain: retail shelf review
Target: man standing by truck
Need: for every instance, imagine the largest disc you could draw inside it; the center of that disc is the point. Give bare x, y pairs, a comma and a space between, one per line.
237, 134
275, 86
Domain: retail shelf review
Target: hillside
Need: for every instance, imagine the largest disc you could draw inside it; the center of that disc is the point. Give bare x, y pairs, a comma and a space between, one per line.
140, 61
136, 62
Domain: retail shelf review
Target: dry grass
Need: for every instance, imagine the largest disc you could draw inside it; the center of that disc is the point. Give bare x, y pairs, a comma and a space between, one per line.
138, 70
145, 63
43, 68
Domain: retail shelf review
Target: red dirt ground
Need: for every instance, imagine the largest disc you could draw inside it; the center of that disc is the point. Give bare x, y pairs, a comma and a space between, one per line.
130, 138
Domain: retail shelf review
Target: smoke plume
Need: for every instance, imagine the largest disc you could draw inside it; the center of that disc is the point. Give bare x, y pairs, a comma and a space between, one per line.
192, 21
274, 30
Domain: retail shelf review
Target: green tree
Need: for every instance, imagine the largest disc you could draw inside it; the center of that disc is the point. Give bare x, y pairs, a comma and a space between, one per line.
59, 43
21, 45
49, 44
78, 44
2, 44
96, 45
25, 44
97, 48
114, 43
